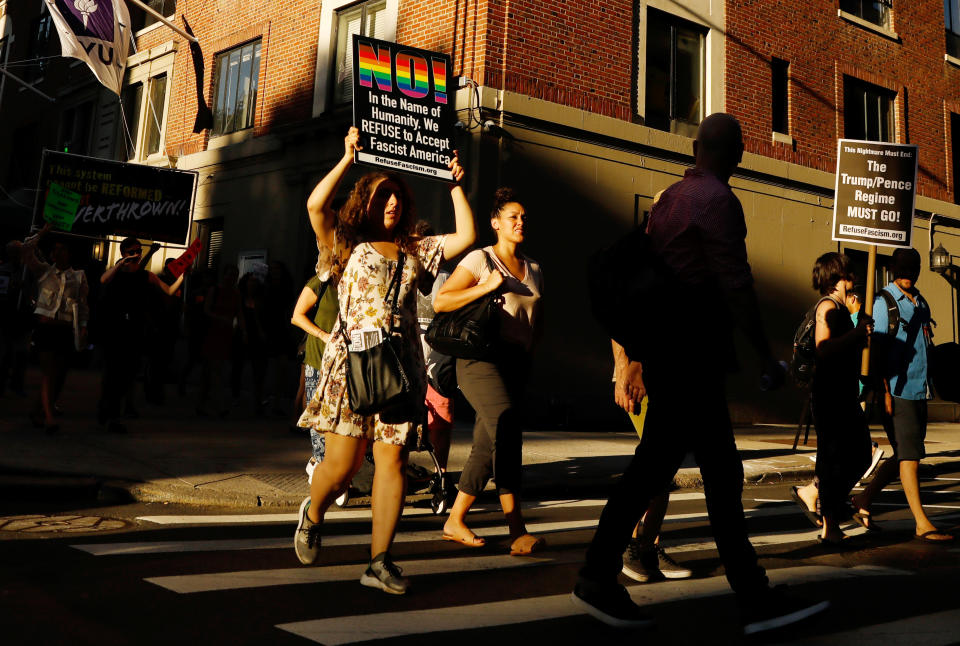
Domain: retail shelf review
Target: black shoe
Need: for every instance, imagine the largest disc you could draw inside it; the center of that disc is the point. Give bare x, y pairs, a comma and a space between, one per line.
773, 608
306, 540
610, 604
670, 568
642, 564
384, 574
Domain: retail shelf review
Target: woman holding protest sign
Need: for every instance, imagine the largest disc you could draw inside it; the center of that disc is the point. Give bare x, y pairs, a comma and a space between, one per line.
494, 385
370, 251
843, 439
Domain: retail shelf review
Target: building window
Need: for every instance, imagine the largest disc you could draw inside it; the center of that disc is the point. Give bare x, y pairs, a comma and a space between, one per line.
140, 19
674, 69
39, 47
780, 95
143, 119
236, 77
75, 129
365, 19
951, 9
867, 111
875, 11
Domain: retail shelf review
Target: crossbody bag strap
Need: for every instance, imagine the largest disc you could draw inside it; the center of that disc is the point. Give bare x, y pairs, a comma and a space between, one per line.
492, 267
393, 286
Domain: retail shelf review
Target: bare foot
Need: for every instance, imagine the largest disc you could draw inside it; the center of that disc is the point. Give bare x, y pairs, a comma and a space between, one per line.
460, 533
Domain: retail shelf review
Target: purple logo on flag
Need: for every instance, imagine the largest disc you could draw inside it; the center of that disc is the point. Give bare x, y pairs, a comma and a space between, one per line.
91, 18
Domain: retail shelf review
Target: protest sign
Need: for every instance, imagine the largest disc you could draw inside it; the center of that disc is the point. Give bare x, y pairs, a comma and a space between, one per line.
60, 207
402, 107
185, 259
875, 190
118, 198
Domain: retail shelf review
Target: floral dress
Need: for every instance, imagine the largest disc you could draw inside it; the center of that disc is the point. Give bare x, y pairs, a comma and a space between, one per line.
364, 275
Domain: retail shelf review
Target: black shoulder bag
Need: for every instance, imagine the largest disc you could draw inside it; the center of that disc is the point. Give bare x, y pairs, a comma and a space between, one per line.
377, 381
470, 332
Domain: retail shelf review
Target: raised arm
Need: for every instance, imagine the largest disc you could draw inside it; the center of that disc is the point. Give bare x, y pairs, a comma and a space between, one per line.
308, 298
466, 233
462, 288
318, 204
108, 275
170, 289
28, 250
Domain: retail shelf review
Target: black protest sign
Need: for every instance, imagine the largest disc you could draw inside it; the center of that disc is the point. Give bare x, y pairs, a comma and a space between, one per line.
117, 198
403, 107
875, 191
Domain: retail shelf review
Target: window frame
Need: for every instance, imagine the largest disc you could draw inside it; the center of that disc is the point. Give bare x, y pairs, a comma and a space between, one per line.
849, 84
363, 5
150, 26
144, 68
327, 48
951, 28
36, 74
677, 125
858, 12
253, 89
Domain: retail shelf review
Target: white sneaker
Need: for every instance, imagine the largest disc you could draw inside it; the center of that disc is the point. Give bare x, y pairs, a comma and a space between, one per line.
311, 465
343, 498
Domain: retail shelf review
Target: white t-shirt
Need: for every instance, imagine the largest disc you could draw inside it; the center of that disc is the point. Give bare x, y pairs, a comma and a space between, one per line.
521, 298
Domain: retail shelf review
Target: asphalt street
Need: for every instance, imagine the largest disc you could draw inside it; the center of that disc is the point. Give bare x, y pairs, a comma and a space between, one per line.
154, 573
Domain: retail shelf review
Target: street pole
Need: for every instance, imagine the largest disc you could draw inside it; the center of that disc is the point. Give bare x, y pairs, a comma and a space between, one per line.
868, 304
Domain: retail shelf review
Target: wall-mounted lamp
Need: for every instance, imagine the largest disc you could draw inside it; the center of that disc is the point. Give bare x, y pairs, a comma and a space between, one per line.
99, 250
940, 260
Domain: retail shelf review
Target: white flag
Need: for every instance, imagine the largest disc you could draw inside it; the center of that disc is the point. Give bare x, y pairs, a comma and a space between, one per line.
97, 32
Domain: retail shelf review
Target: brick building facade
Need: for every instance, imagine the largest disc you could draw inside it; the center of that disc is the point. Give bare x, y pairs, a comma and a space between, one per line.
588, 108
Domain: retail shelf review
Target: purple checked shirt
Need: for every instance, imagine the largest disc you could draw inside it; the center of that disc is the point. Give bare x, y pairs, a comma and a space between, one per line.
698, 229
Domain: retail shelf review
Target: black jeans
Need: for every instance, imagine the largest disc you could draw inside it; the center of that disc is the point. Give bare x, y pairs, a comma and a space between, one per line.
494, 389
843, 450
682, 417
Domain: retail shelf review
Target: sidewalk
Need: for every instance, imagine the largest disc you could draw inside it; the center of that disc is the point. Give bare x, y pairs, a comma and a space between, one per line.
171, 455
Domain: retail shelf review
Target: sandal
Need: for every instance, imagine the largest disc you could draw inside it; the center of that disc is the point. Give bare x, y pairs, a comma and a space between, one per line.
865, 520
526, 544
812, 516
928, 537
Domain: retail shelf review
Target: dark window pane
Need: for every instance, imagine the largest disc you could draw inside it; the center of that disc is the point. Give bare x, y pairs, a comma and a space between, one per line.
687, 75
955, 152
659, 53
130, 120
154, 126
780, 99
236, 81
867, 111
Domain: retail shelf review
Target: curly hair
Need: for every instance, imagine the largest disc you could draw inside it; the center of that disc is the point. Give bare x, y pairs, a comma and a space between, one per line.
503, 196
357, 222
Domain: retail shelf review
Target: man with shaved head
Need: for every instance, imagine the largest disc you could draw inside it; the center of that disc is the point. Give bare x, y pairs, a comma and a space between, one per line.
697, 228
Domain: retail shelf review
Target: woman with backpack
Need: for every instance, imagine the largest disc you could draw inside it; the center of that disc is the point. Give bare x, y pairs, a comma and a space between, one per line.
370, 251
494, 386
843, 439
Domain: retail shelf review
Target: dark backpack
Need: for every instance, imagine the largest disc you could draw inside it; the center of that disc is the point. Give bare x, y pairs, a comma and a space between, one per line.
442, 373
804, 360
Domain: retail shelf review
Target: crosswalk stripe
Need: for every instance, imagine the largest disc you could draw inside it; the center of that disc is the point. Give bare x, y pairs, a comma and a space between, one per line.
364, 513
161, 547
344, 630
188, 584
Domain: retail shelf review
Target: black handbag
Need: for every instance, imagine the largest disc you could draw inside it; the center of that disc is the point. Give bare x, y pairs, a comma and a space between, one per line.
377, 379
470, 332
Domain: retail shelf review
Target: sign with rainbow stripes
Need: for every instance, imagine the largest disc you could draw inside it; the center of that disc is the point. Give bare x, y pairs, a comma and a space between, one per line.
402, 107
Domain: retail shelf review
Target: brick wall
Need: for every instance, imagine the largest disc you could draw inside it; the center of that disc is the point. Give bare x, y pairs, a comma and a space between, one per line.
288, 29
821, 48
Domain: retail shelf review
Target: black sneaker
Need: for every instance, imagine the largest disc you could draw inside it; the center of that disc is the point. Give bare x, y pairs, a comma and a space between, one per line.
773, 608
670, 568
610, 604
384, 574
642, 564
306, 540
